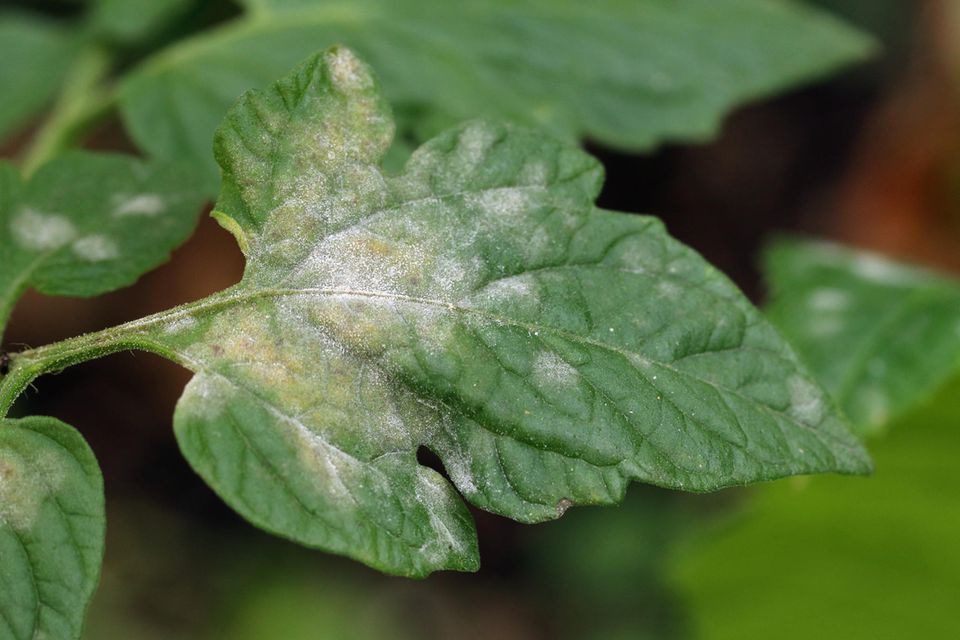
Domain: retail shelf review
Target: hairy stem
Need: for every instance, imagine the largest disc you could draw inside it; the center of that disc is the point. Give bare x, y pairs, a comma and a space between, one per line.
27, 366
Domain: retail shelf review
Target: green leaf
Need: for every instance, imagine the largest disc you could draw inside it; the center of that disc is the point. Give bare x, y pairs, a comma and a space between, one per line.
87, 223
51, 529
879, 335
628, 73
823, 558
34, 57
131, 21
477, 304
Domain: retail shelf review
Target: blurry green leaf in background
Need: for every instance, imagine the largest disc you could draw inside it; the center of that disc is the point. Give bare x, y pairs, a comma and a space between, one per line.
610, 70
874, 558
880, 335
34, 59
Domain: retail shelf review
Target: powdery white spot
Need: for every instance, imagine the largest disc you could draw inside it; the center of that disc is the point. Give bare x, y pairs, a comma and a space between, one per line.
25, 485
829, 300
510, 289
347, 71
142, 204
41, 231
432, 493
880, 270
503, 204
95, 248
475, 142
806, 404
182, 324
459, 469
535, 173
549, 368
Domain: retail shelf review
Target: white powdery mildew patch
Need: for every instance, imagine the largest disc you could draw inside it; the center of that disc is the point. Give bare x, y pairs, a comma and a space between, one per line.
207, 396
179, 325
24, 486
806, 401
535, 174
504, 204
550, 369
95, 248
431, 492
475, 143
829, 300
879, 270
514, 289
41, 231
358, 260
146, 205
347, 72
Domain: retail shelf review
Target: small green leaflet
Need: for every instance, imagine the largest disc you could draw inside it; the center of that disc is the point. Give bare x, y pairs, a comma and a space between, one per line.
51, 529
87, 223
628, 73
477, 304
34, 57
879, 335
831, 558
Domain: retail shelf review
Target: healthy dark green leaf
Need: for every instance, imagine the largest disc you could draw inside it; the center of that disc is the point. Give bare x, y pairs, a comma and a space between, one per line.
51, 529
477, 304
629, 73
879, 335
829, 558
34, 57
87, 223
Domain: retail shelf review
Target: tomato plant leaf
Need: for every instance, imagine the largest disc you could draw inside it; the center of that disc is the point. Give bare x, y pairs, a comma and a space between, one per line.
477, 304
629, 73
87, 223
823, 558
879, 335
51, 529
34, 58
131, 21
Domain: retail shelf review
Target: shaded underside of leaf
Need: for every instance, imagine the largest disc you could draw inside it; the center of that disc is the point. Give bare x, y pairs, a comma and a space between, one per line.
629, 73
880, 335
477, 304
51, 529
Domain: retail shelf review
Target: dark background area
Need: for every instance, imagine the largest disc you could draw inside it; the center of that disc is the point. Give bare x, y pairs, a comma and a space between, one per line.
870, 157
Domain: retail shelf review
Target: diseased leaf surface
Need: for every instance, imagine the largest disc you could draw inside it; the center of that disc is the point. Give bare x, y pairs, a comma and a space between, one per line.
87, 223
51, 529
879, 335
629, 73
477, 304
34, 57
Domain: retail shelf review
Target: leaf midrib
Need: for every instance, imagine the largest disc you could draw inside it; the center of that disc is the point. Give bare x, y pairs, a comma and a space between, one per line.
232, 298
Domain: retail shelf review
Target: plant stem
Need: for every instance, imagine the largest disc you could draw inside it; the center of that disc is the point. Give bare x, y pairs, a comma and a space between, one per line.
28, 365
83, 99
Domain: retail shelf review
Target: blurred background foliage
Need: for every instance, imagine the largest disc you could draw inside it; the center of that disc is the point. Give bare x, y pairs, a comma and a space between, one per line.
870, 158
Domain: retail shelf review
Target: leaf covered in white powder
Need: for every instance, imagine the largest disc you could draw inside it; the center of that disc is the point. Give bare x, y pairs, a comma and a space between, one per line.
477, 304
